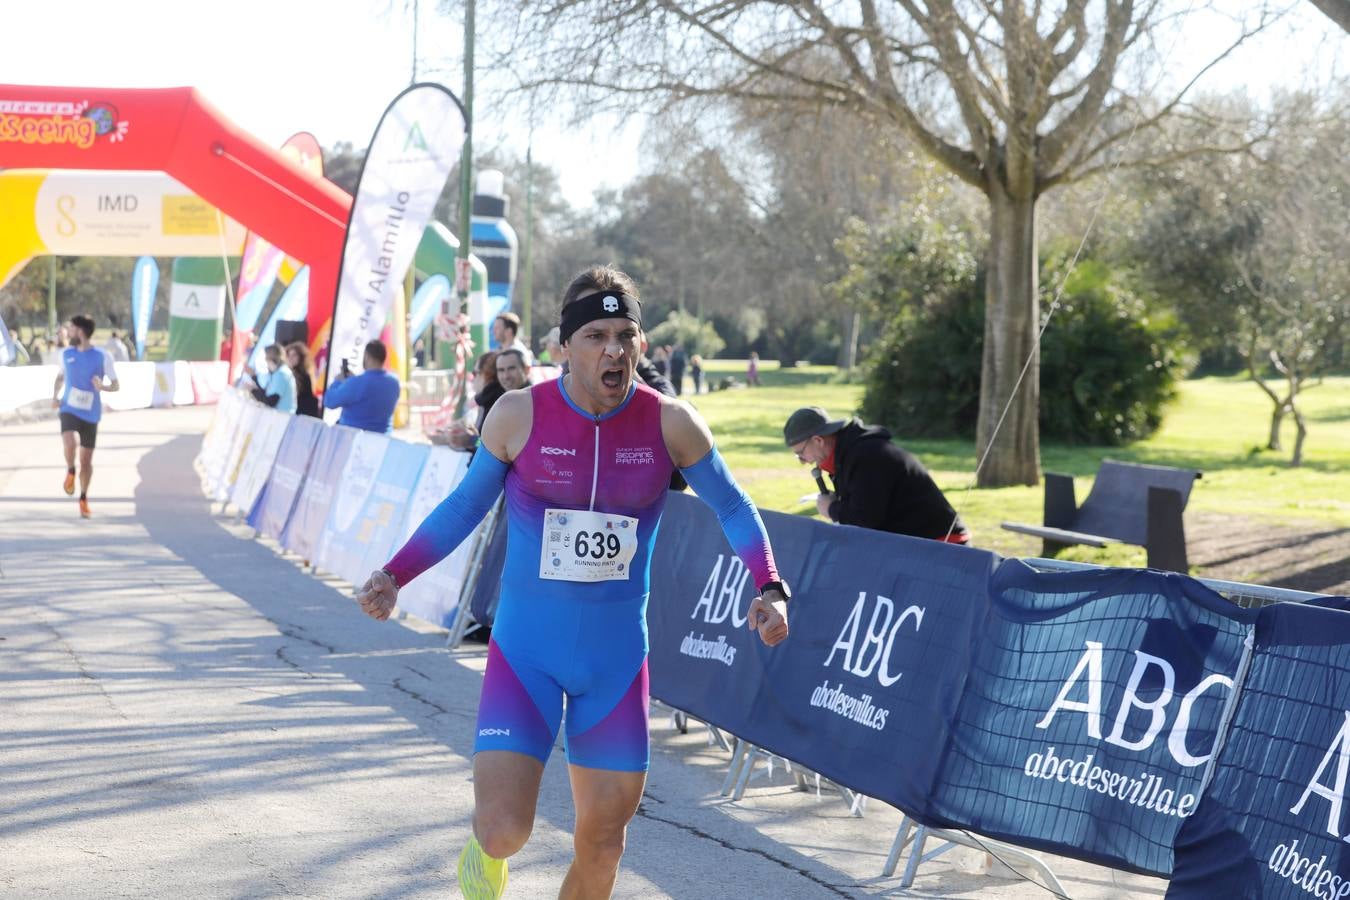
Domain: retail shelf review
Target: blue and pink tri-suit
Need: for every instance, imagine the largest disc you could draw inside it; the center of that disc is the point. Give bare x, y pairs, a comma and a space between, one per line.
584, 640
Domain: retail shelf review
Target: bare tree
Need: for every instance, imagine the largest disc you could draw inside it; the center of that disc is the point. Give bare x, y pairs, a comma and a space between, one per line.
1250, 249
1294, 281
1015, 98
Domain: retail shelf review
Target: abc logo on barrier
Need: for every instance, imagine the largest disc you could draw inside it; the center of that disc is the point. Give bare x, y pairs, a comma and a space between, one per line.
1336, 758
1090, 667
718, 601
874, 653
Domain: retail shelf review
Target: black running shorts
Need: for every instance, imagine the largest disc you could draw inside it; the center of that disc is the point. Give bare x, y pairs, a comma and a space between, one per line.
88, 431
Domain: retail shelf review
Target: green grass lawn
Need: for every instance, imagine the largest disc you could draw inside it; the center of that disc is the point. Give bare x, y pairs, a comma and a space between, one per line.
1217, 425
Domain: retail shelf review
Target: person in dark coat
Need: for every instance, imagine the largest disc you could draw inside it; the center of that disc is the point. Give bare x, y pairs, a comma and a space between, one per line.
877, 484
678, 360
297, 357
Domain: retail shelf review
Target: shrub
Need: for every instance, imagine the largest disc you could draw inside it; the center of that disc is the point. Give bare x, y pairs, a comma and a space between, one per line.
1109, 365
697, 337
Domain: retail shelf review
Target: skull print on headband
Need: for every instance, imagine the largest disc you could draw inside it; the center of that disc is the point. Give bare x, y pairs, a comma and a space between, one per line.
604, 305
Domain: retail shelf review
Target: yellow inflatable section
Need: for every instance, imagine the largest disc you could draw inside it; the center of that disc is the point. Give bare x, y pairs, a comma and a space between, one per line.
19, 239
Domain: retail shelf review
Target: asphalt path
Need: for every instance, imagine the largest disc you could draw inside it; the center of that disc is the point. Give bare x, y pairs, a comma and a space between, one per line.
185, 711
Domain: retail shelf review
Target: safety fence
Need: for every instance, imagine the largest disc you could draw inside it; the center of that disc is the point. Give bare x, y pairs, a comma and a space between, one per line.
27, 390
1131, 718
339, 498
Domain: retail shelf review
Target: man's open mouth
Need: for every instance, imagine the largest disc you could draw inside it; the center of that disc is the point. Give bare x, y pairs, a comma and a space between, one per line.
612, 378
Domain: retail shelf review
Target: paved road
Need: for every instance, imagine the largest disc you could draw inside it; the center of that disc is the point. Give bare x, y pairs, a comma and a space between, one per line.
187, 713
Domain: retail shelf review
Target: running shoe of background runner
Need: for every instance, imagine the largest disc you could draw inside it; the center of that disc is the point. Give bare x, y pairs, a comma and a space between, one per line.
69, 485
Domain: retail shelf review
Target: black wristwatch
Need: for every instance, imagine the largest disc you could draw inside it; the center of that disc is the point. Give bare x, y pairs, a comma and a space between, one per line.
779, 586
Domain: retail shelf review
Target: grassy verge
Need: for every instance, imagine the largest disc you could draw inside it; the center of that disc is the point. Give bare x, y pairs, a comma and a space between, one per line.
1217, 425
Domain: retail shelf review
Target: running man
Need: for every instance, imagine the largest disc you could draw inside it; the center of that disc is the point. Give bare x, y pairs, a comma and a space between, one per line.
585, 461
76, 394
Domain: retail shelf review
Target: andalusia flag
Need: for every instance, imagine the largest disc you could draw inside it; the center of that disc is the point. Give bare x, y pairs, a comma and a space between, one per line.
196, 306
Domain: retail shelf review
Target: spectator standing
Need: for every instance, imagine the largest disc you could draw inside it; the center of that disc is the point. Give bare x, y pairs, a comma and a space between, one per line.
275, 387
678, 361
367, 400
661, 361
752, 370
116, 350
553, 346
696, 372
506, 333
297, 357
487, 389
878, 484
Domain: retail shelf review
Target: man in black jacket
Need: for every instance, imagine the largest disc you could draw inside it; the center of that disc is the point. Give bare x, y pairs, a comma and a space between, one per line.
878, 485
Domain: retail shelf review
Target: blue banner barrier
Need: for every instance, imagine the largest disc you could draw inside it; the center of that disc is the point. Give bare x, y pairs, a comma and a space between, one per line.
865, 689
434, 595
1272, 823
279, 495
380, 523
1091, 711
341, 536
301, 536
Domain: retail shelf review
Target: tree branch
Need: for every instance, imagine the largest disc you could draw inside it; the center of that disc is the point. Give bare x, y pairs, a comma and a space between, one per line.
1072, 127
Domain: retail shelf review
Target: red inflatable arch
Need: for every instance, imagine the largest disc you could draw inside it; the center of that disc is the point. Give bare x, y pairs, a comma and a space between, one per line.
175, 130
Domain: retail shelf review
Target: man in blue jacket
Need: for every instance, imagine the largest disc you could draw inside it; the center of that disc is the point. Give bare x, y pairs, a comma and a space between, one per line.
367, 400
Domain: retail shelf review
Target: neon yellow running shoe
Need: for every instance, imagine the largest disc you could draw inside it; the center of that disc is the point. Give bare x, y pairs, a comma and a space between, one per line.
480, 876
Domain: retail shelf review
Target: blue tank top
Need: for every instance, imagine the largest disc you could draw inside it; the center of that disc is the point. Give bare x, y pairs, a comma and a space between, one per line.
80, 367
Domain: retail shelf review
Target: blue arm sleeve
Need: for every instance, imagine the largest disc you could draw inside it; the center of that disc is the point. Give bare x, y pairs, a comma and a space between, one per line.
338, 393
453, 520
711, 480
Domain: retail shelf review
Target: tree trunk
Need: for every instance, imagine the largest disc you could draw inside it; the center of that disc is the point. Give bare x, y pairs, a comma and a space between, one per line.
1010, 324
1276, 421
848, 346
1297, 459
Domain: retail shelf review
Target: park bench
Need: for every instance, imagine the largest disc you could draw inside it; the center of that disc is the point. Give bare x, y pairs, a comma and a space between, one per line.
1128, 504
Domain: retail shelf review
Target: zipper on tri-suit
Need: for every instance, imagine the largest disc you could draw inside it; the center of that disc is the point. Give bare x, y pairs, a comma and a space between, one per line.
595, 472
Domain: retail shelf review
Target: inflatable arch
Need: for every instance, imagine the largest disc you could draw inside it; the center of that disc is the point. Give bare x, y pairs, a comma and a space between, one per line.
175, 131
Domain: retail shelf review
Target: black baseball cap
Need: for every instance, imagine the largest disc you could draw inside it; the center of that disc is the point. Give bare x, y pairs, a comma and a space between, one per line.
808, 422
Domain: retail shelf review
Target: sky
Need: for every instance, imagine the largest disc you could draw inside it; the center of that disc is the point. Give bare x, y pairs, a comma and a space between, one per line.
331, 66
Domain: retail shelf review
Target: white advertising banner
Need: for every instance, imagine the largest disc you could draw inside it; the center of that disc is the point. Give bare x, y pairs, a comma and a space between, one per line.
197, 301
239, 445
434, 594
22, 385
415, 145
216, 442
136, 386
257, 464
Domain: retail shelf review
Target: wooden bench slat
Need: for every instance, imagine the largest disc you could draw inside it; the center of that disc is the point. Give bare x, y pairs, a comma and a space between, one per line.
1061, 535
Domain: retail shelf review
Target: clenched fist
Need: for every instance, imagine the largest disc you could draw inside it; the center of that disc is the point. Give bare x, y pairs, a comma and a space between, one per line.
769, 618
378, 595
